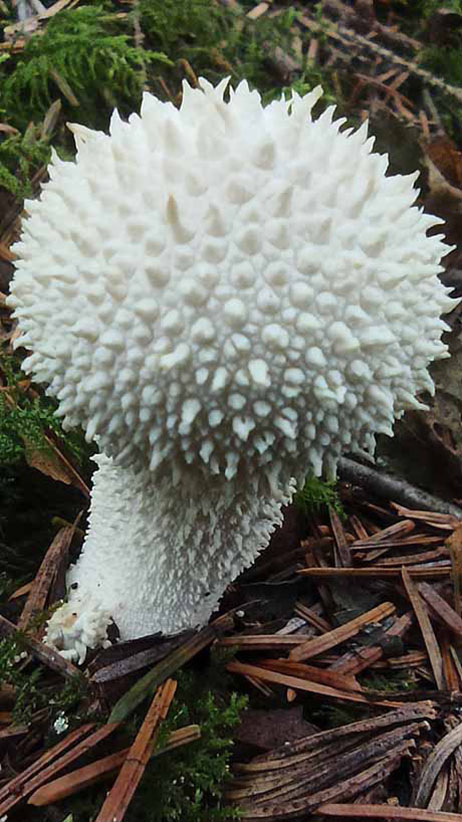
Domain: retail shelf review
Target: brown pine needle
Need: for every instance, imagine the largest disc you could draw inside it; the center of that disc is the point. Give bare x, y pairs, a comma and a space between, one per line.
435, 762
304, 685
342, 549
262, 642
441, 608
45, 766
318, 645
312, 673
454, 543
428, 634
42, 583
121, 793
441, 570
386, 812
82, 778
17, 791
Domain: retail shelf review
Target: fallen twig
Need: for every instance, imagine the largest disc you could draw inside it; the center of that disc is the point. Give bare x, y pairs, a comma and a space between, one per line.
310, 672
356, 661
441, 609
390, 487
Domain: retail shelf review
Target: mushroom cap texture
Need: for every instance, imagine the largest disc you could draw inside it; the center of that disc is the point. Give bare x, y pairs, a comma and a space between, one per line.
229, 286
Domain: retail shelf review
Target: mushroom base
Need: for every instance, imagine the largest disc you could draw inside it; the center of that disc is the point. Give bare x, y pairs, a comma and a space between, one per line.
158, 557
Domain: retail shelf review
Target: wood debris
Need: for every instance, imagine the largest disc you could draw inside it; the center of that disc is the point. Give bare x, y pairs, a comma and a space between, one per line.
385, 812
304, 684
438, 757
289, 784
395, 621
168, 666
339, 763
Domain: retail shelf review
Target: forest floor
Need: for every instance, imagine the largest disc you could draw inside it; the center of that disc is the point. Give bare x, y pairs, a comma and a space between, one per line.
330, 683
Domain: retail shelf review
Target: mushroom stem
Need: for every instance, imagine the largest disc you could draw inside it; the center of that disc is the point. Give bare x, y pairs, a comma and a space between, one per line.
158, 558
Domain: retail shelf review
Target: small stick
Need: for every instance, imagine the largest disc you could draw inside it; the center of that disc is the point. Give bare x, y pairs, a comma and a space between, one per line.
415, 539
175, 660
450, 673
15, 790
262, 642
413, 659
396, 530
311, 672
412, 559
454, 543
389, 487
311, 617
342, 549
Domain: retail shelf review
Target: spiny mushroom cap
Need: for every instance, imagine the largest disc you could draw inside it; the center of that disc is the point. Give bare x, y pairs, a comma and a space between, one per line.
229, 284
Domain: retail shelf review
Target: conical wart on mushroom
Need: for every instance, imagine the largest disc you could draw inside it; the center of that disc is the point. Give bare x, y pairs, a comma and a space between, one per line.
227, 296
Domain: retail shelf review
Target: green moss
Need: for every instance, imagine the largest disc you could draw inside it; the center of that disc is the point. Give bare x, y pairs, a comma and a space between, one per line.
215, 40
95, 57
25, 421
444, 62
191, 783
184, 785
317, 494
33, 692
424, 8
416, 12
20, 156
82, 58
392, 681
187, 30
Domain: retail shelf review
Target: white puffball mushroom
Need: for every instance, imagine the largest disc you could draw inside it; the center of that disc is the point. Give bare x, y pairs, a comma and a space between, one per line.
226, 296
